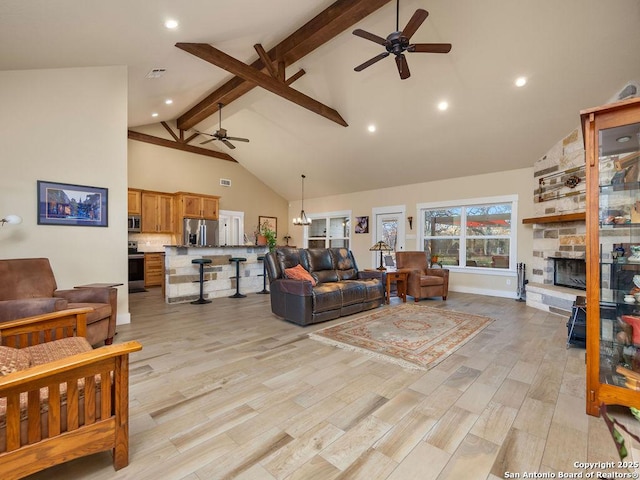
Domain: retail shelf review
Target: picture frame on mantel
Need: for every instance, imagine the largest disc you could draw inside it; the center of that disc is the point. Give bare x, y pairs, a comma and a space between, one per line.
74, 205
272, 223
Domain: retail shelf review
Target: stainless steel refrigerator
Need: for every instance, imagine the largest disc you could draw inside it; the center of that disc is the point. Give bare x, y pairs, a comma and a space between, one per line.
200, 232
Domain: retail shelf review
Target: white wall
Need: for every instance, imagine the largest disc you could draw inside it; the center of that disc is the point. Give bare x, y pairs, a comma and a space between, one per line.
513, 182
68, 126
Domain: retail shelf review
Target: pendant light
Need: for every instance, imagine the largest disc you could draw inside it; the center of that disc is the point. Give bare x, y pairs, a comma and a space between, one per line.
302, 219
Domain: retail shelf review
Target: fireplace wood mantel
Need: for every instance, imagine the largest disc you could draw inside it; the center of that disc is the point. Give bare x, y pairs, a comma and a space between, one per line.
567, 217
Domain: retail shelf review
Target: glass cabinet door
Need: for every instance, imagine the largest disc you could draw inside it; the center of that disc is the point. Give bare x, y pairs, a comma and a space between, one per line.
613, 251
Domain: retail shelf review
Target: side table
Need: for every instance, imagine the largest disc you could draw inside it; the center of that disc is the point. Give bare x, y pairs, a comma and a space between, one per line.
400, 279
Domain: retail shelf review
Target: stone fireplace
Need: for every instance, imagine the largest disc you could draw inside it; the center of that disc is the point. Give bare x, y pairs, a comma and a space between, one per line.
558, 273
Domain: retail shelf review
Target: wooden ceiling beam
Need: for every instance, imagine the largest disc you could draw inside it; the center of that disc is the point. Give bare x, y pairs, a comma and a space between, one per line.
332, 21
266, 60
164, 142
248, 73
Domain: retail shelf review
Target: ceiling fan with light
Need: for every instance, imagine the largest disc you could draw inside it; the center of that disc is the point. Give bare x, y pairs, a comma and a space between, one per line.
398, 42
221, 133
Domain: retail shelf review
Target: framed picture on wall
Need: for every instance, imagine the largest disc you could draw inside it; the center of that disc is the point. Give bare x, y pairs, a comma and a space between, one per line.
270, 222
362, 225
76, 205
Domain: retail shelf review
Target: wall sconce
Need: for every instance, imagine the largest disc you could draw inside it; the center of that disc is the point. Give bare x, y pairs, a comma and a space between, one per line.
410, 222
11, 220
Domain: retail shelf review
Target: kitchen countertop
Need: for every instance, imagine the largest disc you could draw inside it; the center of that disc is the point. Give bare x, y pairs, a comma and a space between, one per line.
216, 246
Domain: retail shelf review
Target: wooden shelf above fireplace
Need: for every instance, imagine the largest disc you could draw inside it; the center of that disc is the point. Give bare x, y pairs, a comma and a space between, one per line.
567, 217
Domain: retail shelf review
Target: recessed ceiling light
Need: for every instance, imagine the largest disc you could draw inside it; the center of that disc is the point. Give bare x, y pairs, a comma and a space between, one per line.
154, 114
371, 128
521, 81
171, 24
442, 106
168, 101
623, 139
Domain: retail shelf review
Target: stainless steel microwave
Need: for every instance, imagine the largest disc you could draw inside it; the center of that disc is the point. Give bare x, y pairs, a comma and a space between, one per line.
134, 223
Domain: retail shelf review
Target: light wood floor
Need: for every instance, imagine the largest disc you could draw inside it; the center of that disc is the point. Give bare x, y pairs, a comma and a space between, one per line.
227, 390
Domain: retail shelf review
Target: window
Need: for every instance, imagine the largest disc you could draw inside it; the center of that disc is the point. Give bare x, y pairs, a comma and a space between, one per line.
480, 234
329, 230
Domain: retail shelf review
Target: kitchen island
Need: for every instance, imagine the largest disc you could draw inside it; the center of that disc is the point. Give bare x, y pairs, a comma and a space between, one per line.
182, 277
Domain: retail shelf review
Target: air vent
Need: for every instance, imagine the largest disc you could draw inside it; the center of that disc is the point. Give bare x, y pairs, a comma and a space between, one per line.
156, 73
225, 182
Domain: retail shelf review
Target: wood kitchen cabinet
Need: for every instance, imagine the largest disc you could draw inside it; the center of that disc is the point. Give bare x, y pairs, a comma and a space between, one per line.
157, 212
192, 205
134, 202
153, 269
612, 154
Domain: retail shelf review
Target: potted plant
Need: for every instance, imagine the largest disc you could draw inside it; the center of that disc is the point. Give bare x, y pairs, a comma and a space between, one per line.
269, 235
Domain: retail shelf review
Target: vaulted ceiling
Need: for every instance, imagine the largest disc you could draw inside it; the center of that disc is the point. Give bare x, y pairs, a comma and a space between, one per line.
575, 53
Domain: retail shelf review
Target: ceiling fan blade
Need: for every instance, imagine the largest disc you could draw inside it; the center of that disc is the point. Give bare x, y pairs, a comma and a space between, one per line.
414, 23
228, 144
202, 133
238, 139
403, 67
208, 141
370, 36
371, 61
430, 47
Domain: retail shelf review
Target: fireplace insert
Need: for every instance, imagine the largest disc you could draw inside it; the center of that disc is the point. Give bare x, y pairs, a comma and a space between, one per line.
570, 272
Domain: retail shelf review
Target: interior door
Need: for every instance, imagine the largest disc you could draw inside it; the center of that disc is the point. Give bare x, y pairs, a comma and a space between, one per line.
389, 229
231, 228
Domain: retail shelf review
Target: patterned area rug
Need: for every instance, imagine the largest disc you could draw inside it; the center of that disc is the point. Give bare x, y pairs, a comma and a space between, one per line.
409, 335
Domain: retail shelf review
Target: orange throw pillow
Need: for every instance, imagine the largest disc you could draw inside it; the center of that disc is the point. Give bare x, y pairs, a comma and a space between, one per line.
299, 273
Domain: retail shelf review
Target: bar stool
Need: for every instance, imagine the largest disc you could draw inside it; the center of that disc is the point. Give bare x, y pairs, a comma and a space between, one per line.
201, 262
262, 258
237, 277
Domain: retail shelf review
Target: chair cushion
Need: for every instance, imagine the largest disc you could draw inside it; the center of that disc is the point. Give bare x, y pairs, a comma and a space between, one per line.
430, 280
299, 273
12, 360
50, 351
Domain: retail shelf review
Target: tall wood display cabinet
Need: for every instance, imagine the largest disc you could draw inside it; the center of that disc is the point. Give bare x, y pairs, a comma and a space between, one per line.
611, 138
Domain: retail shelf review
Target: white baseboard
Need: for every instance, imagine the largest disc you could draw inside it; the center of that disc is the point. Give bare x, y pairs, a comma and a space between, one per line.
484, 291
123, 318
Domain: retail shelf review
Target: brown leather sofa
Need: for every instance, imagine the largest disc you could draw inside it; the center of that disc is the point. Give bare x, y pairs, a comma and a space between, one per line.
28, 287
422, 281
340, 288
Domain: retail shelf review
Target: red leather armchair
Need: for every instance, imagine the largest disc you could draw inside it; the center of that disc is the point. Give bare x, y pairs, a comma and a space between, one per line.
28, 287
422, 281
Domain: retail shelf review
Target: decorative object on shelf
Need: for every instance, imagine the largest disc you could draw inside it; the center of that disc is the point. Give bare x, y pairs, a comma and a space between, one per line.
550, 186
362, 225
636, 280
380, 247
77, 205
635, 254
286, 238
11, 220
302, 220
410, 220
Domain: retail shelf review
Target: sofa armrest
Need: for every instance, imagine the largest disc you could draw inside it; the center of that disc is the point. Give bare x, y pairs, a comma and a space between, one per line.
438, 272
294, 287
27, 307
87, 295
42, 328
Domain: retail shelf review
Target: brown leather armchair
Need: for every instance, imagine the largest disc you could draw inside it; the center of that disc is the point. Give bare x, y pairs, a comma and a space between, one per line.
422, 281
28, 287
